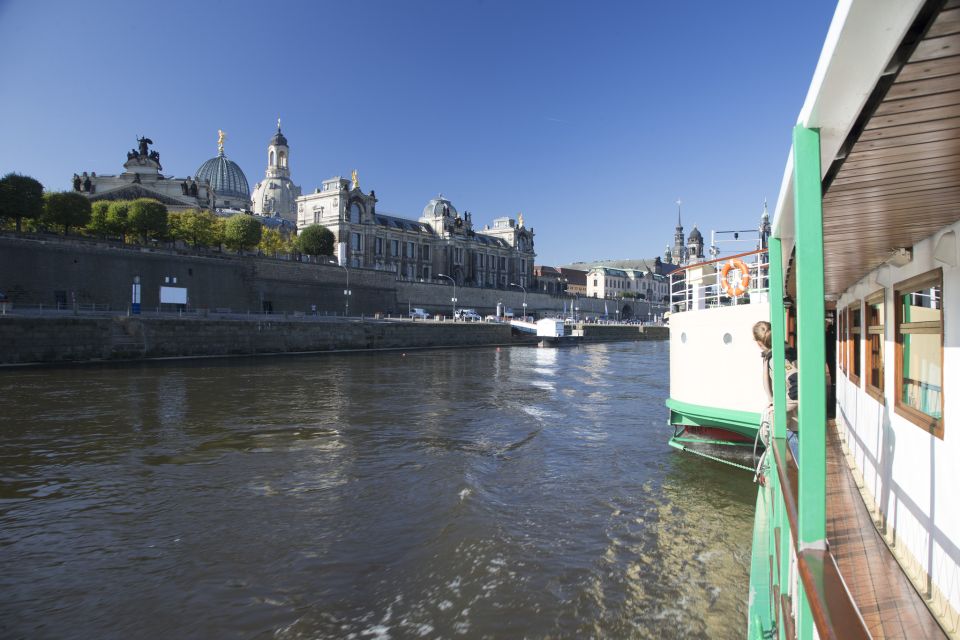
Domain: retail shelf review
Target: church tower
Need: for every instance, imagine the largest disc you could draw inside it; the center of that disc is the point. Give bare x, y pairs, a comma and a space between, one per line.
679, 248
276, 195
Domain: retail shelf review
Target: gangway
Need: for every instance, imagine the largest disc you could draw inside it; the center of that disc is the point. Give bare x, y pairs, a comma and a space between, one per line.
525, 327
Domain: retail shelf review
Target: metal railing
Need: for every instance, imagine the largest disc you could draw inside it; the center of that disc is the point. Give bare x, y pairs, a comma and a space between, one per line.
701, 285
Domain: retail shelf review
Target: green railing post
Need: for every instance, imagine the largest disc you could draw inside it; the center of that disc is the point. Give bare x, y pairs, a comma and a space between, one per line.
779, 427
808, 216
778, 337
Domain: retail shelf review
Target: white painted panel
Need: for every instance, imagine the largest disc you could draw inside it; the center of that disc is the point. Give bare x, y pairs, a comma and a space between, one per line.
714, 361
173, 295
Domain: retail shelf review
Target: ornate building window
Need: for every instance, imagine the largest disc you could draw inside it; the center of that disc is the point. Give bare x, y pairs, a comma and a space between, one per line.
918, 328
874, 346
355, 213
394, 248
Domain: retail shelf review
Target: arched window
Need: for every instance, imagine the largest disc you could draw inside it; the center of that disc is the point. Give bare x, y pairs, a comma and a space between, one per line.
355, 213
271, 158
283, 159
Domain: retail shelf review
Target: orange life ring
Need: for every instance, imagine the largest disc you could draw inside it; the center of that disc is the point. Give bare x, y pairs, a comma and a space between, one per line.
743, 285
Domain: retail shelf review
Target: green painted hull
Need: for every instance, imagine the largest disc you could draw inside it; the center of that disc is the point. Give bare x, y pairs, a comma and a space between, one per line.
744, 424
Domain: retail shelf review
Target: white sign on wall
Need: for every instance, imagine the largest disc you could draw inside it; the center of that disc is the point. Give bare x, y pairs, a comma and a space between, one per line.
173, 295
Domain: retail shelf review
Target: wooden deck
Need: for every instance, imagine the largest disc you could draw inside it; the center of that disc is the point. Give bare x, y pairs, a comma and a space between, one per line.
889, 604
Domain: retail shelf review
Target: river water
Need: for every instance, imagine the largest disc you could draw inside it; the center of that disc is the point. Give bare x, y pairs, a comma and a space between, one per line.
475, 493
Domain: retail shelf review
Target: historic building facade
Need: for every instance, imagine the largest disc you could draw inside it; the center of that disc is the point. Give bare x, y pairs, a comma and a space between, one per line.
441, 243
276, 194
141, 178
607, 282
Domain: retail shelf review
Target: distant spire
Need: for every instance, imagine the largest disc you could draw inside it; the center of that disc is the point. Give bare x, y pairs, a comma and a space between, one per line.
679, 202
278, 124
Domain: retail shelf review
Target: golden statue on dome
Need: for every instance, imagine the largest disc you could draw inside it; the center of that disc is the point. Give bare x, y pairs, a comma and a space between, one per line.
356, 181
221, 136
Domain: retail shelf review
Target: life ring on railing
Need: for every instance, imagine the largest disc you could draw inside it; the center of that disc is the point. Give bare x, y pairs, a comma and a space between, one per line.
743, 285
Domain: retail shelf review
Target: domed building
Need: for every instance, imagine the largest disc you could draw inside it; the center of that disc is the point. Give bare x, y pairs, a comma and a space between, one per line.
277, 195
227, 180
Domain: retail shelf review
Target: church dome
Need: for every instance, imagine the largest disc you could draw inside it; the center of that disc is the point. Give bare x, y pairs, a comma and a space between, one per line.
436, 208
279, 139
225, 176
695, 235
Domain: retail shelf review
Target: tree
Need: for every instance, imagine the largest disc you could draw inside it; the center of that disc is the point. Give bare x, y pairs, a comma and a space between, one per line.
147, 218
316, 240
66, 209
242, 231
272, 242
99, 224
118, 223
196, 227
20, 197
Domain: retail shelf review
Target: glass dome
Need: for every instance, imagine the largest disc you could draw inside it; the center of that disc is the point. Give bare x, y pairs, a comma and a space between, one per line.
436, 208
225, 176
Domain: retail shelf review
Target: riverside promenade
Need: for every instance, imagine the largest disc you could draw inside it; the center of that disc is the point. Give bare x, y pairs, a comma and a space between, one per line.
32, 337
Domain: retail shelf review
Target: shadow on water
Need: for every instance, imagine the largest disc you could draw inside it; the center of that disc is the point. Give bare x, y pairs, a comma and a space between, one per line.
481, 493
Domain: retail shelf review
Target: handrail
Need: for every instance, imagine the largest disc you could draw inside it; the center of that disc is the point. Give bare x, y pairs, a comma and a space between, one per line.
739, 255
834, 612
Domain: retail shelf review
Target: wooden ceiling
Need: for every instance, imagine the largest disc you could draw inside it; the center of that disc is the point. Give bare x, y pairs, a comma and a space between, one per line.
900, 182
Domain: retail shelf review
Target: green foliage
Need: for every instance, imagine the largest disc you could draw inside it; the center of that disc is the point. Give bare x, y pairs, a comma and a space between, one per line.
316, 240
98, 224
199, 228
147, 218
241, 232
118, 223
272, 242
20, 197
66, 209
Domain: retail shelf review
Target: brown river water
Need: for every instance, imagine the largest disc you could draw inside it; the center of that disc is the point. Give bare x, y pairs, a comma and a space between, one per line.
471, 493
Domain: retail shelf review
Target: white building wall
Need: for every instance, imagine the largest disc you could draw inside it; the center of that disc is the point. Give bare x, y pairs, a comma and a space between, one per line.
911, 475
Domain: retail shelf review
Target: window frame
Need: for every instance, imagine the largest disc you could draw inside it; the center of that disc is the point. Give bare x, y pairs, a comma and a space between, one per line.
876, 392
854, 335
923, 420
842, 340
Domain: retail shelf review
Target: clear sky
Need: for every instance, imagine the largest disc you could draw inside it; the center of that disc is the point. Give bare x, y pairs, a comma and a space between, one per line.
591, 118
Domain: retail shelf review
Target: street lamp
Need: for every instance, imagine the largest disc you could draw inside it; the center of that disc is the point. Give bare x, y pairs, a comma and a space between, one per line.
514, 284
346, 292
453, 300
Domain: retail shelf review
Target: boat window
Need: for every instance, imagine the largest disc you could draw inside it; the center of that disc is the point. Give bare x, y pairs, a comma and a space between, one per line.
919, 334
842, 339
853, 343
874, 346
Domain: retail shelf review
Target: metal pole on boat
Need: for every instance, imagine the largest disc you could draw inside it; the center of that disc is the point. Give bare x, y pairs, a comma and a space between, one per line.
808, 222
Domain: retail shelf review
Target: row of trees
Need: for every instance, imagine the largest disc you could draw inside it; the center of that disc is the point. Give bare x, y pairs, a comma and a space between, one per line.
22, 199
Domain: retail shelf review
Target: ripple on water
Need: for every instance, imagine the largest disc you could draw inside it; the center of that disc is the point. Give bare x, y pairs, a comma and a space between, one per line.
471, 493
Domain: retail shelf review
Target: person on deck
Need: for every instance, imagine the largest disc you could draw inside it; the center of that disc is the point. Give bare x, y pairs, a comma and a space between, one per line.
762, 336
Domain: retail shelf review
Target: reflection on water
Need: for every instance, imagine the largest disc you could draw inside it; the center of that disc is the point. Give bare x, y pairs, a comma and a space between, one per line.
466, 493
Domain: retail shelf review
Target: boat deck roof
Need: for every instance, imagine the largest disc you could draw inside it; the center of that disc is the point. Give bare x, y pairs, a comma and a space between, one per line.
889, 604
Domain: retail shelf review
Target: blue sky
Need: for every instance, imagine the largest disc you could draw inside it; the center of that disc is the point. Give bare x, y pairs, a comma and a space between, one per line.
591, 118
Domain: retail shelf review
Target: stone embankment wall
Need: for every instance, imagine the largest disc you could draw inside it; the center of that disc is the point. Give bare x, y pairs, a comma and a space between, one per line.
37, 270
72, 339
623, 332
25, 339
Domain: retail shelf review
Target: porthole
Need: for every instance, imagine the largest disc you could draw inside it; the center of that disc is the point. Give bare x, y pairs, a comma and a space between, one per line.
727, 338
683, 338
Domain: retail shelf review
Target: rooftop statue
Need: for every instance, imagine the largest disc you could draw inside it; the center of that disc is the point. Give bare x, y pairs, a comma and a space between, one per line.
143, 145
356, 181
221, 136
